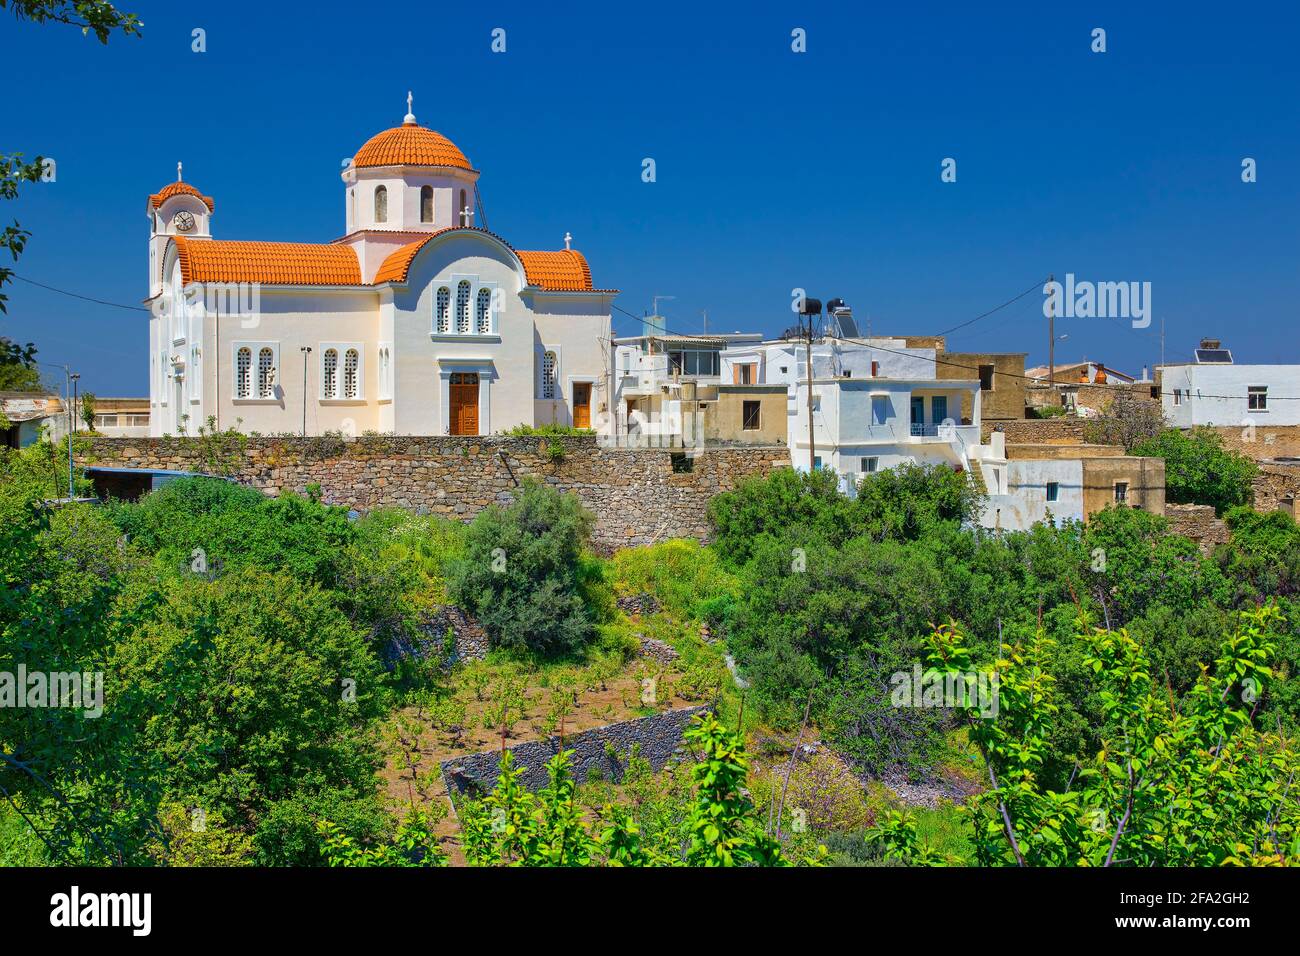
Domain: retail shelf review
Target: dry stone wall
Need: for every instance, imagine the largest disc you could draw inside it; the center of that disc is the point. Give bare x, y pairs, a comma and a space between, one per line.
639, 496
601, 751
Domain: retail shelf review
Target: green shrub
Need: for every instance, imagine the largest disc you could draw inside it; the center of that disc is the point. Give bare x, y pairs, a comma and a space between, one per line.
523, 572
1199, 470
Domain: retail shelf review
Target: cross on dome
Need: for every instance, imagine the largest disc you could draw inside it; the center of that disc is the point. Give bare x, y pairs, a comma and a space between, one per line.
178, 173
568, 238
468, 215
409, 117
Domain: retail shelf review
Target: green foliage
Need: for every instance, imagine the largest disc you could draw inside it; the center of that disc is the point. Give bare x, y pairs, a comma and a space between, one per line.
547, 431
523, 573
513, 827
238, 527
685, 577
1190, 785
1199, 469
414, 845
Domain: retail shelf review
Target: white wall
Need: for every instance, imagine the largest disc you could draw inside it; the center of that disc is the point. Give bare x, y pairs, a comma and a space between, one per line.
1202, 385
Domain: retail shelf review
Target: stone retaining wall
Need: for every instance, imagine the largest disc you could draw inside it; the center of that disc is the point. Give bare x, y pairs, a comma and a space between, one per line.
639, 496
657, 738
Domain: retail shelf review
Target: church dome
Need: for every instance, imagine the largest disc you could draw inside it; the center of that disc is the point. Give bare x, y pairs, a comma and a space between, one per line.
409, 145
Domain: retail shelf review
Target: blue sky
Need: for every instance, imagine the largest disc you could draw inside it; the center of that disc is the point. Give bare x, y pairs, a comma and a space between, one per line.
775, 170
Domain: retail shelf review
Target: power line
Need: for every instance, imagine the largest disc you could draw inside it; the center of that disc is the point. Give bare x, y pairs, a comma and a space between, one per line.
84, 298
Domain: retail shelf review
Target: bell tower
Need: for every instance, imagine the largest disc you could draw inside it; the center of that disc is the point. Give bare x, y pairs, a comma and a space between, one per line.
178, 209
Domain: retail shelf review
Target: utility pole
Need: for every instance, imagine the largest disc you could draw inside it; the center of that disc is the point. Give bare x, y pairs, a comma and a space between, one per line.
72, 418
306, 356
812, 442
810, 308
1051, 337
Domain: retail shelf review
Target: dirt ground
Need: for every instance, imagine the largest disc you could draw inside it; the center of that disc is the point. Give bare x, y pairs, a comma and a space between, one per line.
619, 701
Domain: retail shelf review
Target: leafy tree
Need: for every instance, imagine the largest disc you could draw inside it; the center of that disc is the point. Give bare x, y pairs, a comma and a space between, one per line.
1126, 421
1189, 785
524, 575
19, 371
249, 688
1199, 469
88, 410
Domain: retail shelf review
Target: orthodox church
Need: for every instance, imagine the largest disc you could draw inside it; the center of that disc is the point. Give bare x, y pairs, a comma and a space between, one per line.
416, 321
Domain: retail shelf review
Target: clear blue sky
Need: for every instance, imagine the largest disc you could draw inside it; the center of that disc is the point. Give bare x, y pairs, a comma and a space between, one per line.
775, 169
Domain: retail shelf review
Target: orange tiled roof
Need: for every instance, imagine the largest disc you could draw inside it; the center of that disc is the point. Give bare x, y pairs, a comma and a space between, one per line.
409, 145
177, 189
274, 263
562, 271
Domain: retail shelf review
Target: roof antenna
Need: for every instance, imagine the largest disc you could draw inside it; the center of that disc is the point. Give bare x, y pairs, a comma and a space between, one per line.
409, 117
568, 238
178, 173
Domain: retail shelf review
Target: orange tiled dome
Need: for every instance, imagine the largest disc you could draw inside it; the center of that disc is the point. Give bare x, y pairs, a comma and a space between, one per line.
178, 189
409, 145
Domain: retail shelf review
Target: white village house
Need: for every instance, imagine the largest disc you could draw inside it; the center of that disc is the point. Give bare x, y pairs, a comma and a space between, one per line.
1213, 390
416, 321
881, 402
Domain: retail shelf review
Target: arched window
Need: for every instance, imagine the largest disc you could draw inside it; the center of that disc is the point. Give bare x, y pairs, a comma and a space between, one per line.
381, 204
266, 373
351, 362
462, 307
484, 311
330, 374
548, 375
196, 383
244, 373
464, 209
442, 312
426, 204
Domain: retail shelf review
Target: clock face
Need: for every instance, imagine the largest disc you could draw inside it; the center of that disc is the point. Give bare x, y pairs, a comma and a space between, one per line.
184, 221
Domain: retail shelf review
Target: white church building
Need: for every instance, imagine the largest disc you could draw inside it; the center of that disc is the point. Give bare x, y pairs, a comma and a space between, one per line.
417, 321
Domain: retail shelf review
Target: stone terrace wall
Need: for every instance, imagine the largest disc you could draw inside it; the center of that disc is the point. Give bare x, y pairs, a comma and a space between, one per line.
657, 738
1198, 523
1061, 430
638, 496
1266, 441
1275, 484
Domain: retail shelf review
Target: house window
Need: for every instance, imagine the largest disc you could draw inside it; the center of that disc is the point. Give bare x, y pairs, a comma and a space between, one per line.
426, 204
352, 374
243, 373
330, 373
1257, 398
743, 374
462, 307
483, 312
694, 362
1178, 396
817, 462
1121, 492
381, 204
266, 373
548, 375
879, 409
105, 421
875, 368
986, 378
869, 465
442, 312
750, 417
1053, 490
